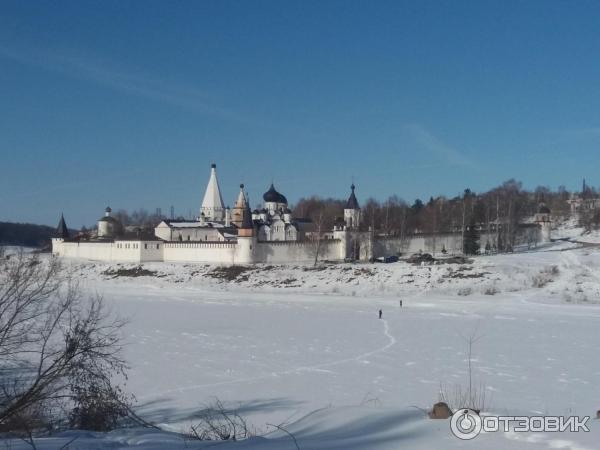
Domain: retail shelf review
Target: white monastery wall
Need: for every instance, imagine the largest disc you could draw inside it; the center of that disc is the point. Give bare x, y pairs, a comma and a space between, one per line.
293, 251
208, 252
125, 251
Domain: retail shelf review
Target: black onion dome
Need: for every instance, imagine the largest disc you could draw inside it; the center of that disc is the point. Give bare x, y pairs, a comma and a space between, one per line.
352, 203
273, 196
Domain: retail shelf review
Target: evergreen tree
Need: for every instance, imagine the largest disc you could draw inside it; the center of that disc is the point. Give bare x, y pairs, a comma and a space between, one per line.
417, 205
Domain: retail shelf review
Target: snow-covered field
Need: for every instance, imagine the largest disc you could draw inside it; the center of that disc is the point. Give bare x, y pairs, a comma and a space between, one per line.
304, 348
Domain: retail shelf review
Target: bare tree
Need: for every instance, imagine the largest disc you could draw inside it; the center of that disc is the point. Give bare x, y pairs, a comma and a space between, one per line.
471, 396
318, 235
54, 344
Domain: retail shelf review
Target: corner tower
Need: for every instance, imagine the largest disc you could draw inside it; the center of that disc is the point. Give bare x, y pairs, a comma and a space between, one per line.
108, 226
62, 232
246, 241
237, 215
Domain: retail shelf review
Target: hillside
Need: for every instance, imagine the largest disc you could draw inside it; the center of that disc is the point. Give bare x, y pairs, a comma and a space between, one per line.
25, 234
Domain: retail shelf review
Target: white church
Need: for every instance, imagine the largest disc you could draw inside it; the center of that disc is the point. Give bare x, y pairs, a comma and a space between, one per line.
218, 235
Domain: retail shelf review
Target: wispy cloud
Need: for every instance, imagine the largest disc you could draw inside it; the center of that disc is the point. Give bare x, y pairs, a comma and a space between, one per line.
127, 80
96, 182
442, 152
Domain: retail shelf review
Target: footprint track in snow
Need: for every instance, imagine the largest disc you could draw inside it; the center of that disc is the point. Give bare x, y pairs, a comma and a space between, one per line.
316, 368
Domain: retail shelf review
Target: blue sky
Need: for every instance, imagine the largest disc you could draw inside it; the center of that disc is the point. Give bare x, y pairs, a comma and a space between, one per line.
128, 103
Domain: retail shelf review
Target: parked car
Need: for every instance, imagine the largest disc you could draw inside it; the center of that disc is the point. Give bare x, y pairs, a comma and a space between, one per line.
387, 259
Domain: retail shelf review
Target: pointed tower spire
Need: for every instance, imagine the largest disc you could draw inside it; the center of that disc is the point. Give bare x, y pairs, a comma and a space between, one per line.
241, 200
247, 226
212, 204
352, 203
237, 215
62, 231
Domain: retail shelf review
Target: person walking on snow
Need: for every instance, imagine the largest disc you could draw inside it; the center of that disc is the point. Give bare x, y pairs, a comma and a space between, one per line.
380, 313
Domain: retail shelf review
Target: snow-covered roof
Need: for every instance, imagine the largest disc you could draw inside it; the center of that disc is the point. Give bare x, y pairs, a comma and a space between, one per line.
192, 224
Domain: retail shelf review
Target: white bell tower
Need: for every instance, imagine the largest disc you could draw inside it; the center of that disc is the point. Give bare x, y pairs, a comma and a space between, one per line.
352, 211
212, 204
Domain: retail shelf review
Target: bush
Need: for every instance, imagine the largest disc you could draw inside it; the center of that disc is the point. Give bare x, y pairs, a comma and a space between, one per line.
490, 290
229, 273
137, 271
545, 276
218, 423
98, 405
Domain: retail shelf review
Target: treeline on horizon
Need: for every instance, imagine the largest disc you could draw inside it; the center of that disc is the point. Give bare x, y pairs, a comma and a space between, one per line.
508, 203
25, 234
